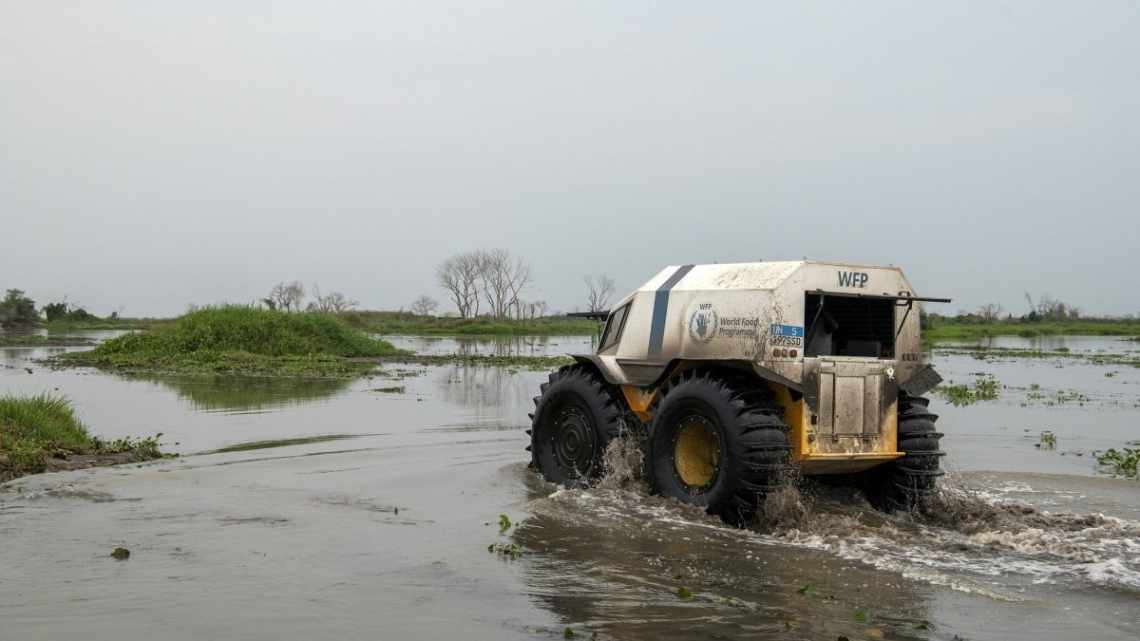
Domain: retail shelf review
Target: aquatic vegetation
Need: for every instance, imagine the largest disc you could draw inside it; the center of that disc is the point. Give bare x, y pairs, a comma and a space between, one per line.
956, 394
506, 550
862, 615
684, 593
985, 388
1060, 397
237, 340
35, 430
1122, 462
143, 449
1070, 396
120, 554
1047, 441
504, 522
989, 354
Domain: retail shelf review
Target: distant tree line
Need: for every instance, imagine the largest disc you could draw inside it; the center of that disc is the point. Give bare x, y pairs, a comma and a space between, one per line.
17, 309
1044, 309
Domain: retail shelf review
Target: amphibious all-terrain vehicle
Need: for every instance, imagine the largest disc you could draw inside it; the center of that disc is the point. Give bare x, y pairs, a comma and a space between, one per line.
736, 377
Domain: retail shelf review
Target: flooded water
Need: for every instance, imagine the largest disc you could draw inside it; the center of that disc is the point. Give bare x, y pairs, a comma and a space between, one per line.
496, 346
383, 531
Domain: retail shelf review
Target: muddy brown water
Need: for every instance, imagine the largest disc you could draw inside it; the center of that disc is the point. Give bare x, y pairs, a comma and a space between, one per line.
383, 532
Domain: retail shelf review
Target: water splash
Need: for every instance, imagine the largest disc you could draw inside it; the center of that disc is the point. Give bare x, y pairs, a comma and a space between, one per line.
968, 539
624, 465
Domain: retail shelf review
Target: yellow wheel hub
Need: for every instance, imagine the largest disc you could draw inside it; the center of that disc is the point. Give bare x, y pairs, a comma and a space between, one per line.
696, 453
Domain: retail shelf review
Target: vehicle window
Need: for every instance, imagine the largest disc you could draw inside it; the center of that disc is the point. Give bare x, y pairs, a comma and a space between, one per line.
614, 326
849, 326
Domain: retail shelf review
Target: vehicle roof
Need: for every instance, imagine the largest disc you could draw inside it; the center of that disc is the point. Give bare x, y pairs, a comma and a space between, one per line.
743, 276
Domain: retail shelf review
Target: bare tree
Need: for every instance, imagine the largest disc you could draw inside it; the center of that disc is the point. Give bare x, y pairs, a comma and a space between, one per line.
330, 303
460, 276
338, 302
286, 297
599, 290
535, 309
517, 280
1050, 308
276, 298
990, 312
503, 277
424, 306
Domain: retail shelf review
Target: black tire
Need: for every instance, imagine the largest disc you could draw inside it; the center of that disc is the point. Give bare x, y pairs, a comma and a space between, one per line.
906, 483
574, 419
752, 454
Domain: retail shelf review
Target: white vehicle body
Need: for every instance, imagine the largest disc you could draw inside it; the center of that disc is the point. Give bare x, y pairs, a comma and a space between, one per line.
836, 340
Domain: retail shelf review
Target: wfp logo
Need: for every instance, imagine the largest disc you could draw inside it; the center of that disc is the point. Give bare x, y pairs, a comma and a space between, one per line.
703, 323
853, 279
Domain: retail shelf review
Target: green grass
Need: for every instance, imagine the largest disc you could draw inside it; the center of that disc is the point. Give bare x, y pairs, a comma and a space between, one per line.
945, 329
45, 420
411, 324
35, 428
238, 340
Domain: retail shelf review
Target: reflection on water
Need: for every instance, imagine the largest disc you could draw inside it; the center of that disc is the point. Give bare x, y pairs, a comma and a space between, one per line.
486, 389
236, 394
496, 345
14, 357
1110, 344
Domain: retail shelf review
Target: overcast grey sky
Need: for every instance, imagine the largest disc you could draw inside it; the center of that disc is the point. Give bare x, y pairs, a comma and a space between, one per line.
155, 154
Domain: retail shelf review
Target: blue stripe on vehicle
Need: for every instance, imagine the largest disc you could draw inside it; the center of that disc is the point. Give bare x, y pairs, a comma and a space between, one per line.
661, 307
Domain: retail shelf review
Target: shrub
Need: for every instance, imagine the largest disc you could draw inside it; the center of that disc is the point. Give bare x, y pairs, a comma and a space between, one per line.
233, 328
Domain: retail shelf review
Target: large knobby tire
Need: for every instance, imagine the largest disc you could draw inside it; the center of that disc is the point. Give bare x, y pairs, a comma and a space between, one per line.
718, 440
575, 418
906, 483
